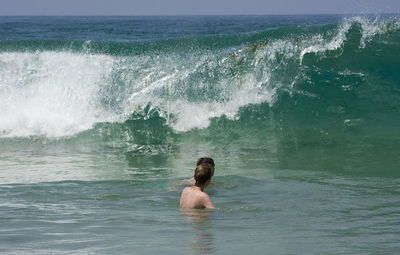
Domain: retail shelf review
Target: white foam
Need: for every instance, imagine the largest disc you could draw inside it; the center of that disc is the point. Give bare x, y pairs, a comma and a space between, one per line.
50, 94
185, 114
320, 44
264, 64
57, 94
373, 27
369, 28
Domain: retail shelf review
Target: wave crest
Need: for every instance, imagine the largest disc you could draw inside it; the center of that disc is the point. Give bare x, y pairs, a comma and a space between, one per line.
61, 93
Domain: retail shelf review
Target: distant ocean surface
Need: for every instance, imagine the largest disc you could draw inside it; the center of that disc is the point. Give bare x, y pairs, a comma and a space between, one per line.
102, 117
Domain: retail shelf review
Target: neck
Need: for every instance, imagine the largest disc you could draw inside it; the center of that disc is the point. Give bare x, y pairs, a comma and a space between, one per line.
201, 188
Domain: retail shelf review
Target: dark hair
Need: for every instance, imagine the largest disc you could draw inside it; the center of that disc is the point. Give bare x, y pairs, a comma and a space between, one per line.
205, 160
202, 174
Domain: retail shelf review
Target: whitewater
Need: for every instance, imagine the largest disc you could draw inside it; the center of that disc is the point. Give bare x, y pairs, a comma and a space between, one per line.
102, 117
61, 92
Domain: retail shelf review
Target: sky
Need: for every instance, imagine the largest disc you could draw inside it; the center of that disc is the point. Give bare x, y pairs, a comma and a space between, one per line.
195, 7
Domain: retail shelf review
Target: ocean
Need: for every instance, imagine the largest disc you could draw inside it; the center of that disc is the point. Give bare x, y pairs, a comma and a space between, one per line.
102, 118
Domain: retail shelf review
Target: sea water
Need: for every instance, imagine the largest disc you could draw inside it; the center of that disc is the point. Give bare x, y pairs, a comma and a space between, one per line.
101, 118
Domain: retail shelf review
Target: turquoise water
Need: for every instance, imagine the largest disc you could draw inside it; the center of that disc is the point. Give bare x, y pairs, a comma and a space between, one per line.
101, 117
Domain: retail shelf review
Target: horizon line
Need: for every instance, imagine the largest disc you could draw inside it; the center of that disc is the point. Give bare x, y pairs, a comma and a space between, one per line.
182, 15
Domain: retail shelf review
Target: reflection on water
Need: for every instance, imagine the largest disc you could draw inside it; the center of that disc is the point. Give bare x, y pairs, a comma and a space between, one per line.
202, 239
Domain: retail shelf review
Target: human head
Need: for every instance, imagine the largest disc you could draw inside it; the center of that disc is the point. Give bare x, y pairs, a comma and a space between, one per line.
202, 175
207, 160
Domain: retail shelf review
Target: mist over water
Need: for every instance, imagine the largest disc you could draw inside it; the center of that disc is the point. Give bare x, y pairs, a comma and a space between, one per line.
100, 117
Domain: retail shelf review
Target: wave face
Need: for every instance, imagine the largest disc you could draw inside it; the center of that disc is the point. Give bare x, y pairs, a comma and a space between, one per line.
79, 75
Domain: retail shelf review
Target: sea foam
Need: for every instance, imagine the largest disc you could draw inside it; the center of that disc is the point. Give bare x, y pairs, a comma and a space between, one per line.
51, 94
62, 93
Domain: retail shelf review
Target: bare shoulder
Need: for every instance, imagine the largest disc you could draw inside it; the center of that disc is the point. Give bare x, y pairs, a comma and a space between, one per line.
186, 190
207, 200
202, 194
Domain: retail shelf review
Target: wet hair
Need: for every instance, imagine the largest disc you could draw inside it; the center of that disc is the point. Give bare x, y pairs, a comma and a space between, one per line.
207, 161
202, 174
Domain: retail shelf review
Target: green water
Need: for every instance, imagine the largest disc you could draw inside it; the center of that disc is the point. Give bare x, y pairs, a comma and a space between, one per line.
108, 201
101, 118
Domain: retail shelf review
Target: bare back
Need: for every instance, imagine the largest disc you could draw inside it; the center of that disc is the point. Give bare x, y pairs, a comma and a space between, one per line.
194, 198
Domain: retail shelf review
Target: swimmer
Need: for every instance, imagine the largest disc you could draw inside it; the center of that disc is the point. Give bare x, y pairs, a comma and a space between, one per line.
194, 197
200, 161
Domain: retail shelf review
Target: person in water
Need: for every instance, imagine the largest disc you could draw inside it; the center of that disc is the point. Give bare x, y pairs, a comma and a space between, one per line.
201, 161
194, 197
